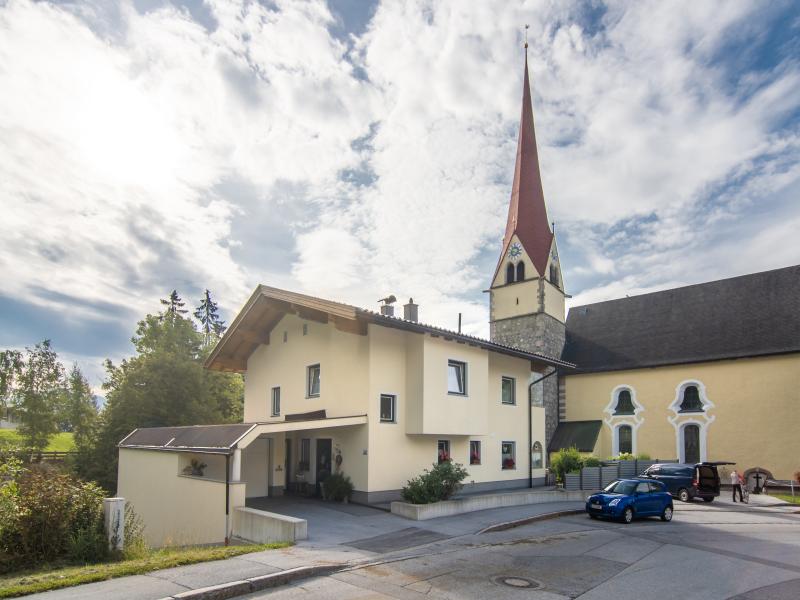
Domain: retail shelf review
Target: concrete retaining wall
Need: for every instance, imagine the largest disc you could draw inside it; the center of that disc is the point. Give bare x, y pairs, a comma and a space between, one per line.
264, 527
423, 512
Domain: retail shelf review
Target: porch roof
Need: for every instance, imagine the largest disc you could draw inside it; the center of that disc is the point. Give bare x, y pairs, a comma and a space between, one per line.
223, 439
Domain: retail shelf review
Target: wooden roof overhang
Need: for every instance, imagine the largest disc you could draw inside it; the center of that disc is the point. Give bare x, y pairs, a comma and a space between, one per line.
263, 311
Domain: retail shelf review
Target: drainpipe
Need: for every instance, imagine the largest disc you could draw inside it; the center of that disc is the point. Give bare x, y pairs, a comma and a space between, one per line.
227, 496
530, 425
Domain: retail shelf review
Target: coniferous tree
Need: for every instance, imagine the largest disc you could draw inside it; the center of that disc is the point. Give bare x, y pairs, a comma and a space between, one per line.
174, 305
211, 326
80, 408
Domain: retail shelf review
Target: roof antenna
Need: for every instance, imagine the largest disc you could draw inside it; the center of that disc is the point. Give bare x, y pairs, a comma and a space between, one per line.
526, 35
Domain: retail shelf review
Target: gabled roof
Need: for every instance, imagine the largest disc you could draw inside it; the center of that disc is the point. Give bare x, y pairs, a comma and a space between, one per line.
527, 214
268, 305
751, 315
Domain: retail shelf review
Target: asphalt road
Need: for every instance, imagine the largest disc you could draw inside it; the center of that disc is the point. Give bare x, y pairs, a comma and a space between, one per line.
709, 551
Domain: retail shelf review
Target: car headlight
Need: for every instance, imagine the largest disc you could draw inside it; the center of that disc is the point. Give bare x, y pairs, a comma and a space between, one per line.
614, 502
588, 498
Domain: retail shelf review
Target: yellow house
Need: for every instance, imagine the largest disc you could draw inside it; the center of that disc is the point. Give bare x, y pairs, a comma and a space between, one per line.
703, 372
334, 388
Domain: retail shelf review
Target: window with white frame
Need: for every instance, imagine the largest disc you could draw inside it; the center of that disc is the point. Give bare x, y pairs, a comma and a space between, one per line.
508, 451
625, 439
312, 381
443, 451
624, 403
691, 400
456, 377
276, 401
508, 392
537, 459
474, 452
388, 405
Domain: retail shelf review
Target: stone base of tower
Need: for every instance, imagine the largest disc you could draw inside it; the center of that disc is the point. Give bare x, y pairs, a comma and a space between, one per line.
536, 333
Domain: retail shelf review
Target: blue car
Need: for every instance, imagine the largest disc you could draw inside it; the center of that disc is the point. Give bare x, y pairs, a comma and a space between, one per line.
626, 499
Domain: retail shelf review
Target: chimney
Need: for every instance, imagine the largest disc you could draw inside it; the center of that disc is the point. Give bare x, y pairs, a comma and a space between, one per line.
387, 310
411, 311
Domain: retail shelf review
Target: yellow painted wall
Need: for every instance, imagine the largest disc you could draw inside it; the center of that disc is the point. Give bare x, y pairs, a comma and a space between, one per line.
150, 482
755, 413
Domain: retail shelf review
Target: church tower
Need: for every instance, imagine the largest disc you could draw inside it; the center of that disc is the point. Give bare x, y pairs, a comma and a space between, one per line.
527, 292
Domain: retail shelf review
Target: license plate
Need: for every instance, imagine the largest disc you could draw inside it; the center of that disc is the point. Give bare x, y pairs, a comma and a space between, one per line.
597, 506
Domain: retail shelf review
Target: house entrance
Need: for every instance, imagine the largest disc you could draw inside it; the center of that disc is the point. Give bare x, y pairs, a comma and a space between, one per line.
691, 444
323, 461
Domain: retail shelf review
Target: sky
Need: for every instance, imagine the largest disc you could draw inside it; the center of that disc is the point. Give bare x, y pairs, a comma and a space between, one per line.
353, 149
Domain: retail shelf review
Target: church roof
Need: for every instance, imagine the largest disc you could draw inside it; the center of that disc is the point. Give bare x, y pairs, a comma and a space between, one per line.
527, 214
751, 315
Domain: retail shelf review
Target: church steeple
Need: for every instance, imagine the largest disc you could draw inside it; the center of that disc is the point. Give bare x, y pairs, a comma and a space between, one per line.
527, 214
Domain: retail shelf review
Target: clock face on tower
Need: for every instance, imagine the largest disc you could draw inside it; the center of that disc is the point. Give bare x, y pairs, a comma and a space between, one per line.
514, 252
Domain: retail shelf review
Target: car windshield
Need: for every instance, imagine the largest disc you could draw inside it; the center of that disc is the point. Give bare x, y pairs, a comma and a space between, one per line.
620, 487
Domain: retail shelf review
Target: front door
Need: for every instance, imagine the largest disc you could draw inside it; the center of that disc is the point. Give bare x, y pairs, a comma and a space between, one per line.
323, 461
691, 444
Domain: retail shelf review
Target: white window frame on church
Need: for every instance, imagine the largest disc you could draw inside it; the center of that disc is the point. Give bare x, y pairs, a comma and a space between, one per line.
614, 421
680, 420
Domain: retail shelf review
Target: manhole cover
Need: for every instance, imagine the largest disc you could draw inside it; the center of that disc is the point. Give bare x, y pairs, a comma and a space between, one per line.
517, 582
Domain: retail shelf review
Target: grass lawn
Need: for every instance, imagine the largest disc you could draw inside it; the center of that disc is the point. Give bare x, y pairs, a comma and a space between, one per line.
788, 497
56, 576
60, 442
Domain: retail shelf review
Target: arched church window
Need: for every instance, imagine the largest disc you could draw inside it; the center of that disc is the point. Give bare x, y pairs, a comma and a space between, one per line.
510, 273
624, 403
537, 456
554, 275
520, 271
625, 439
691, 400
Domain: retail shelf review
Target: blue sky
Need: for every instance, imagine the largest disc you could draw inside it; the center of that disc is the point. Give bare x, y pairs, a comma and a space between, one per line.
354, 149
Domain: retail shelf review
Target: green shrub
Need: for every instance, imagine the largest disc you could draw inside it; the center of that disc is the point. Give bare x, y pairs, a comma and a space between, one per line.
135, 545
592, 461
643, 456
338, 487
566, 460
439, 483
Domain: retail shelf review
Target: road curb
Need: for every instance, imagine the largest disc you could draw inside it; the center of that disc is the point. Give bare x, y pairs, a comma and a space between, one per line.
233, 589
534, 519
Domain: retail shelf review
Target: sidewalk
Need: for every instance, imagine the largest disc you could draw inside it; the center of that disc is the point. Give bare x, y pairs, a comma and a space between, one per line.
340, 539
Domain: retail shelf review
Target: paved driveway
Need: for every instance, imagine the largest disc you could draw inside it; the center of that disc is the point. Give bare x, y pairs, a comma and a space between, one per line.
710, 551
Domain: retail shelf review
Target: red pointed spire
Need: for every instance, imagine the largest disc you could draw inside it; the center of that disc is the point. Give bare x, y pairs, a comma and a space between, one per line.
527, 214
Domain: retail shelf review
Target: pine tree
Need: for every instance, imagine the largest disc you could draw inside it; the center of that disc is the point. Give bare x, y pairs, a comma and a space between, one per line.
211, 326
81, 408
174, 306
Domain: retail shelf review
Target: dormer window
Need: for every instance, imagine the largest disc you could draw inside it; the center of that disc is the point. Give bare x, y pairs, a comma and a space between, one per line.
624, 403
520, 271
510, 273
691, 400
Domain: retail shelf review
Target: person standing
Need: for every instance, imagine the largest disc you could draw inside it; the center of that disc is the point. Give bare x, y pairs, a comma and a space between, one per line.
736, 484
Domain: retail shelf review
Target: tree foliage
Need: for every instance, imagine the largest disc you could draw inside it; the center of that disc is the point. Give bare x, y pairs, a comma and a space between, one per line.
436, 484
163, 384
39, 395
211, 325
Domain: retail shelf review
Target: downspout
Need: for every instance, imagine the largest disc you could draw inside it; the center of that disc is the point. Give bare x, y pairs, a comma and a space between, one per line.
227, 496
530, 424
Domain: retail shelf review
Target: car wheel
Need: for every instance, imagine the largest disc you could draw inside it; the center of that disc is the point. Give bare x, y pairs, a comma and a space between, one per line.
627, 515
683, 495
591, 516
708, 498
667, 514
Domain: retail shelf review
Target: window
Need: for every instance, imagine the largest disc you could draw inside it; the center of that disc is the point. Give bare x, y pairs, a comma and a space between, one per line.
691, 400
537, 457
474, 452
554, 275
456, 377
443, 451
508, 450
643, 487
624, 403
285, 336
387, 408
305, 455
508, 391
691, 444
305, 328
276, 401
312, 383
510, 273
625, 439
520, 271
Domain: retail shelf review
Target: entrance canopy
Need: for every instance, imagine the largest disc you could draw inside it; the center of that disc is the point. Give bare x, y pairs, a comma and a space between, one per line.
223, 439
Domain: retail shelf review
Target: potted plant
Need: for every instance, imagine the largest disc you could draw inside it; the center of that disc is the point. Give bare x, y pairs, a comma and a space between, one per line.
508, 463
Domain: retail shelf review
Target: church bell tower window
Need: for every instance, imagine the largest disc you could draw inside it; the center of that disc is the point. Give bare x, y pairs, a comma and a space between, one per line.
510, 273
520, 271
